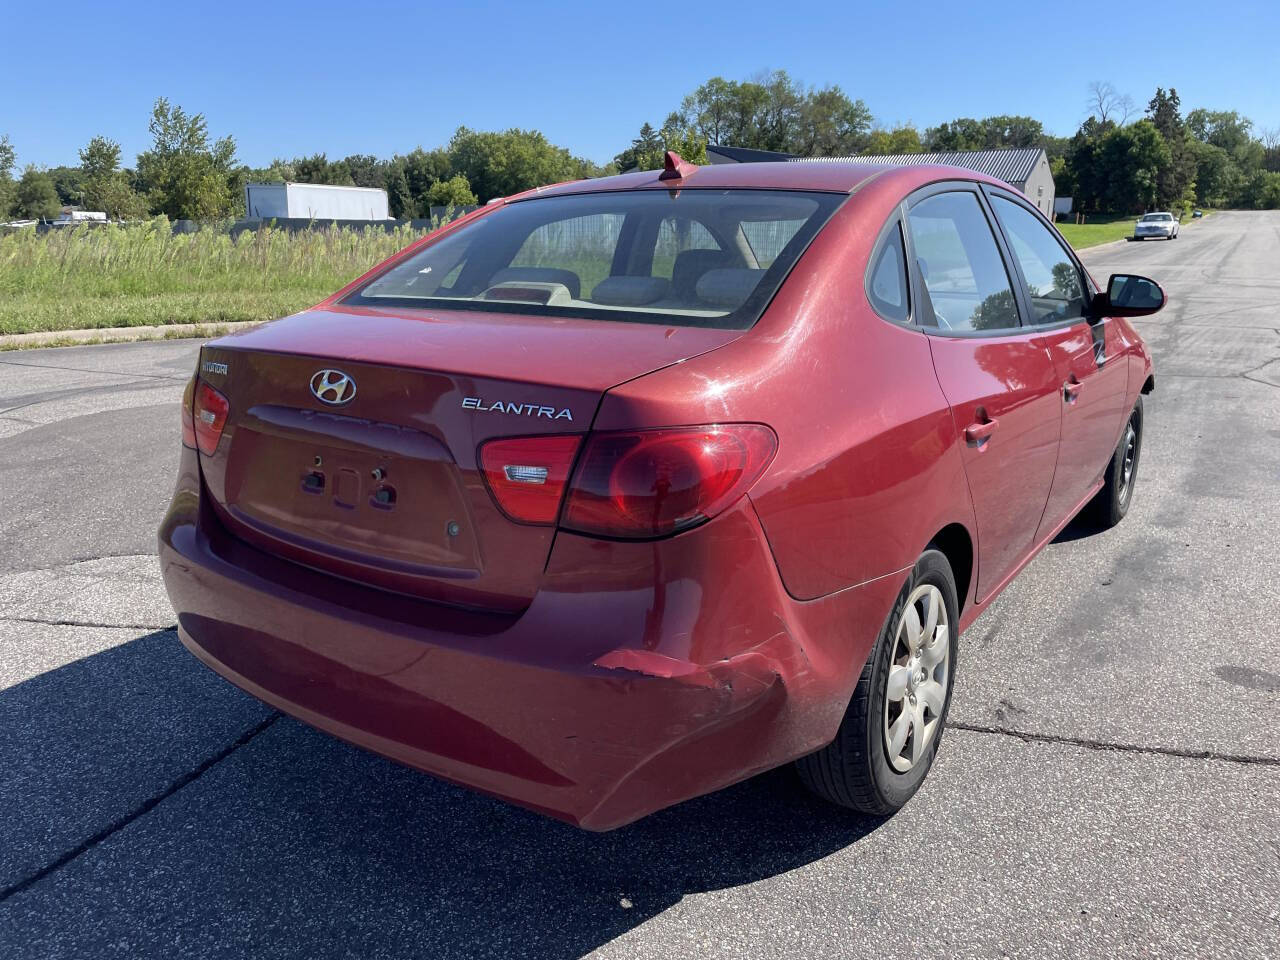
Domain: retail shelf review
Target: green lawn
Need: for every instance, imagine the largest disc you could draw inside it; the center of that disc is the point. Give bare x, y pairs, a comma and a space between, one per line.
1098, 228
142, 275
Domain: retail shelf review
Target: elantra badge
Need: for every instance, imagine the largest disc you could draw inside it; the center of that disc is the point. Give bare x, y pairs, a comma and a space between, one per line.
333, 387
519, 409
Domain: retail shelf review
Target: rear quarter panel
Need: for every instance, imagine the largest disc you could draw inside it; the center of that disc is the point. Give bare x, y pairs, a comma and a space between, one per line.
867, 469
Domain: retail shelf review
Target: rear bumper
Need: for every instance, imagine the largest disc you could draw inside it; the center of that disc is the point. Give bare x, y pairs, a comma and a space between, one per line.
641, 675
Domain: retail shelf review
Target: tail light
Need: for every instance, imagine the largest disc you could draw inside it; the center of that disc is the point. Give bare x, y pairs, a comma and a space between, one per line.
188, 423
210, 416
527, 475
654, 483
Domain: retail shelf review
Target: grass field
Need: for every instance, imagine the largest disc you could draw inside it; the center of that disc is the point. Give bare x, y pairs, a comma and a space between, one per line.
141, 275
1098, 229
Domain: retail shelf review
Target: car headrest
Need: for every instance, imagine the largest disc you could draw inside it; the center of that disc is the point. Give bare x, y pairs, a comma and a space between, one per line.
728, 287
630, 291
691, 264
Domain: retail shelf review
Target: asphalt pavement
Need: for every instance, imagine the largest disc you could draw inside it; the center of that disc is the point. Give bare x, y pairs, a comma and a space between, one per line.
1109, 785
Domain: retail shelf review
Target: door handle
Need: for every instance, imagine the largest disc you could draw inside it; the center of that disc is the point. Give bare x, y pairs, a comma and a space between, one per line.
977, 434
1071, 389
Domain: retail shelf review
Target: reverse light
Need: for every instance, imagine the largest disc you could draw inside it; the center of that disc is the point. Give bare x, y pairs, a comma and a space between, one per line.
527, 475
188, 423
210, 416
653, 483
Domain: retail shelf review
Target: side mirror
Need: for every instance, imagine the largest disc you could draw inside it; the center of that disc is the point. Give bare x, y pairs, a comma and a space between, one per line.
1128, 295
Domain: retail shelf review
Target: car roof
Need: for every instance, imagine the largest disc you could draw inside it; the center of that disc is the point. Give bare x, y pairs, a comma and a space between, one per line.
833, 177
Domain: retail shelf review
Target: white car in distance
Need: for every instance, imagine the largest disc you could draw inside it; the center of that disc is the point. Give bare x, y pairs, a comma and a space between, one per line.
1162, 225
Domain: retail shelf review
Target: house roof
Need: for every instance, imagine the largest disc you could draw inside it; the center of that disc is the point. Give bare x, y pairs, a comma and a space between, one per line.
1011, 166
720, 154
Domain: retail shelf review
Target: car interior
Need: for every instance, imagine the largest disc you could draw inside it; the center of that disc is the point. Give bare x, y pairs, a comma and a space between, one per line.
697, 256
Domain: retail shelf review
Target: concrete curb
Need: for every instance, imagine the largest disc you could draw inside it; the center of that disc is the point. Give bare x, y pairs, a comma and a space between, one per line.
71, 338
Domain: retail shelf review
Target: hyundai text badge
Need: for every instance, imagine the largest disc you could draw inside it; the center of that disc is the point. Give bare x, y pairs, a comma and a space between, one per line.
333, 387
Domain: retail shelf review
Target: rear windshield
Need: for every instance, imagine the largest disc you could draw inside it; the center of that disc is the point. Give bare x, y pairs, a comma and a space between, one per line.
710, 258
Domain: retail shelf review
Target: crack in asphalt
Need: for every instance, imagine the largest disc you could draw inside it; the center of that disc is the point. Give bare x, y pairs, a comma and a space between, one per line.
1030, 737
108, 373
143, 808
85, 623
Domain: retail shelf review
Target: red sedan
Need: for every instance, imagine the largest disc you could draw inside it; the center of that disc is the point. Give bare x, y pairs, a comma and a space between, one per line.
616, 492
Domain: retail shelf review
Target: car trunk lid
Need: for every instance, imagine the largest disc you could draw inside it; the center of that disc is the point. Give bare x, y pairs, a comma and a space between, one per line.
381, 483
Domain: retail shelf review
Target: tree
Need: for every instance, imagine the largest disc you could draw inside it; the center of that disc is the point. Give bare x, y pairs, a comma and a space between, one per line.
317, 169
648, 150
7, 159
69, 184
35, 198
105, 186
645, 152
1270, 140
772, 112
1175, 186
1217, 176
1107, 104
454, 192
900, 140
399, 199
365, 169
1133, 157
832, 125
499, 164
991, 133
1223, 128
184, 176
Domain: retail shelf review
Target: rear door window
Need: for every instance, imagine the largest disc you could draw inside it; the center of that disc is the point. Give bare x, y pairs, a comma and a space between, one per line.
960, 264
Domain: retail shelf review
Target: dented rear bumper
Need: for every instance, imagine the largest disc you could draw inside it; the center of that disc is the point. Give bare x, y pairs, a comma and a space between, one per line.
641, 675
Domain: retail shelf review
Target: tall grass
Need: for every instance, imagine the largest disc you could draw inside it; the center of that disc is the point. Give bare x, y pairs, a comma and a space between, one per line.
117, 276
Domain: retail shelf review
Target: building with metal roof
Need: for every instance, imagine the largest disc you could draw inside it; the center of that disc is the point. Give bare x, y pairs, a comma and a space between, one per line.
1026, 169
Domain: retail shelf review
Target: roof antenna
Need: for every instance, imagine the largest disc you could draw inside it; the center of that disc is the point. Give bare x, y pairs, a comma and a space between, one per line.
675, 168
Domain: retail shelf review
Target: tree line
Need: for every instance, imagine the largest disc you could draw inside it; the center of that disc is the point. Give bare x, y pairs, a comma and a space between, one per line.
1117, 161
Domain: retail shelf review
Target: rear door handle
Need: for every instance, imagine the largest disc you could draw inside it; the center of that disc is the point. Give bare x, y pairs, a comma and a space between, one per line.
976, 434
1071, 390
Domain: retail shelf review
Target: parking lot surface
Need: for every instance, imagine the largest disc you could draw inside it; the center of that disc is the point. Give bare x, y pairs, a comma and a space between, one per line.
1109, 785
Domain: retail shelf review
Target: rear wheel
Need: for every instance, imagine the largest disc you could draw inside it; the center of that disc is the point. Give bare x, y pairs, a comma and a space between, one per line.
1112, 501
891, 728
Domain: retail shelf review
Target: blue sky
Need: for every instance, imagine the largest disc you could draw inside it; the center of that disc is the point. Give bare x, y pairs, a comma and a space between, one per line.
383, 78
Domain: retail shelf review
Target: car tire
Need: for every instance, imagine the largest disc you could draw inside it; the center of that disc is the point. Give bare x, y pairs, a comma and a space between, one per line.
856, 770
1112, 502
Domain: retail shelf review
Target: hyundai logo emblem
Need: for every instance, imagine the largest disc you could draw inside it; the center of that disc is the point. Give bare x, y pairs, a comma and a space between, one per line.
333, 387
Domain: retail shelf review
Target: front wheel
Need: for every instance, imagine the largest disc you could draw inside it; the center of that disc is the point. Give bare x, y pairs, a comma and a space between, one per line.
890, 732
1112, 502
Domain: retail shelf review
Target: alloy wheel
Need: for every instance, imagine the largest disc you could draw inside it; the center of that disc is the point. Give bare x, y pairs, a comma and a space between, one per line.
1130, 457
916, 689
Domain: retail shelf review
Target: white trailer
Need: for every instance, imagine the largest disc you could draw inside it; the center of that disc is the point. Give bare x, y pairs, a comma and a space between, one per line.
314, 201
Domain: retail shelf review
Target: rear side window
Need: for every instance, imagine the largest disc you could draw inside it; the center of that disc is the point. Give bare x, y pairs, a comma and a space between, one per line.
1052, 280
960, 264
694, 257
887, 286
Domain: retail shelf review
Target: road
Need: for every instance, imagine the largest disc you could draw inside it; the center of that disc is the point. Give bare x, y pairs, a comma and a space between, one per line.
1110, 784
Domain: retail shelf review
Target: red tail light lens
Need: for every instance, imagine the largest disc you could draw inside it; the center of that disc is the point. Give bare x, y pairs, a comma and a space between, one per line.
658, 482
527, 475
211, 409
188, 423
